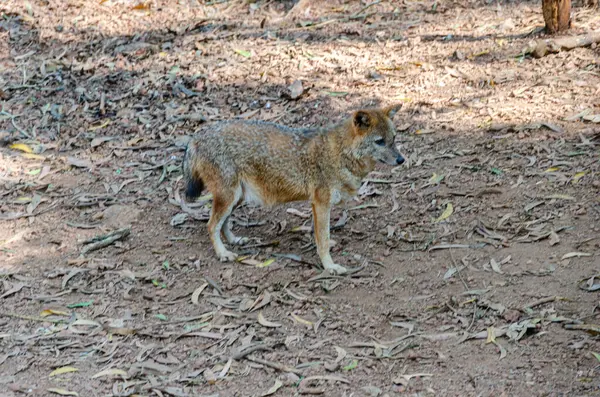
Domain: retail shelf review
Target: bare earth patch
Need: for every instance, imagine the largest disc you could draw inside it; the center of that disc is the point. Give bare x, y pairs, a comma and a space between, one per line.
478, 258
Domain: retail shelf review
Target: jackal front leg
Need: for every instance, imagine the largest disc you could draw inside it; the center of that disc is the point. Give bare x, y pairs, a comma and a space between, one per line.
321, 213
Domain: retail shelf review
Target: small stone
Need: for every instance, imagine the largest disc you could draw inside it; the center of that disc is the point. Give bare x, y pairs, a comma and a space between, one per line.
459, 55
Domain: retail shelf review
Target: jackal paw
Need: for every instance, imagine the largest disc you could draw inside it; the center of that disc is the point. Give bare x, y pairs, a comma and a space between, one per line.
336, 269
227, 256
239, 240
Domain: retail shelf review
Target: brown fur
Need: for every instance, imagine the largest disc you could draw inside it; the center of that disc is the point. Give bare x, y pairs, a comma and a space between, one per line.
265, 163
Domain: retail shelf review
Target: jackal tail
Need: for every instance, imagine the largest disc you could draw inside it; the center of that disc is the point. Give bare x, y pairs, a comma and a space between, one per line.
193, 184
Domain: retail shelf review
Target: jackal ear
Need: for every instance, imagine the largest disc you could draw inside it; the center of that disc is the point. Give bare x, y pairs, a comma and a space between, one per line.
362, 120
391, 110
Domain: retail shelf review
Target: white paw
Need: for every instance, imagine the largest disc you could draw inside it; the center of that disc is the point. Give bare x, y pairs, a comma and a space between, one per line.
227, 256
336, 269
240, 240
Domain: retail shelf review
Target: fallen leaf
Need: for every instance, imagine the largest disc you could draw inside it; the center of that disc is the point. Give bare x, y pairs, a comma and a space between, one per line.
351, 366
22, 147
161, 317
63, 370
495, 266
589, 284
435, 179
80, 304
446, 214
63, 392
266, 263
197, 292
266, 323
244, 53
273, 388
209, 376
81, 163
531, 206
336, 93
574, 255
100, 140
17, 287
594, 118
491, 335
32, 156
99, 126
111, 372
341, 353
141, 7
300, 320
554, 239
50, 312
501, 348
87, 323
560, 197
35, 201
578, 176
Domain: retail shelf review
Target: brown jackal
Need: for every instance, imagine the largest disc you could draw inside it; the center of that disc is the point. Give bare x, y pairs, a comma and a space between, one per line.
265, 163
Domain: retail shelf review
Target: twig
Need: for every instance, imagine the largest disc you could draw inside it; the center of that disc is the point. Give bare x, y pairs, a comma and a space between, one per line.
12, 118
458, 270
274, 365
31, 318
551, 46
249, 350
366, 8
105, 240
541, 302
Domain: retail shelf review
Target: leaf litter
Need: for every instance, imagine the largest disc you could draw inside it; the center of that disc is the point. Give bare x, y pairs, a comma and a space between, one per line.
98, 121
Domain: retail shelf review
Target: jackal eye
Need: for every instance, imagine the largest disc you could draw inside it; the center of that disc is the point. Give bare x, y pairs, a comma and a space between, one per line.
380, 142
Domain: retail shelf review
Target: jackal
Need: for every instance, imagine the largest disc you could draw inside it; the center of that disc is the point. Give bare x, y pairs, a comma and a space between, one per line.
266, 164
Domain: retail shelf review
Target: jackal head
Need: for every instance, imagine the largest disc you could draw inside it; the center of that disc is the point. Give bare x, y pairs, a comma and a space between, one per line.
374, 135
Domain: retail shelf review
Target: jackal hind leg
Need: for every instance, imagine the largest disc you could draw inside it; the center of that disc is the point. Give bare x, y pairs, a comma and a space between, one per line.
224, 201
230, 237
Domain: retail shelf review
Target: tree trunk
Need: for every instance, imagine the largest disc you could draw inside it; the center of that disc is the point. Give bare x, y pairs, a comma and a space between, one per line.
557, 15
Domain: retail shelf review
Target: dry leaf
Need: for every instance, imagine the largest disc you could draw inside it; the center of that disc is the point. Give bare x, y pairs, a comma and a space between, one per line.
554, 239
111, 372
244, 53
63, 370
446, 214
273, 388
491, 335
266, 263
50, 312
22, 147
495, 266
63, 392
404, 379
266, 323
197, 292
574, 255
300, 320
79, 162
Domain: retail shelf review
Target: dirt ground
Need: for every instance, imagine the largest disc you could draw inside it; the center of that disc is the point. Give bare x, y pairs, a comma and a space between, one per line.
477, 258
